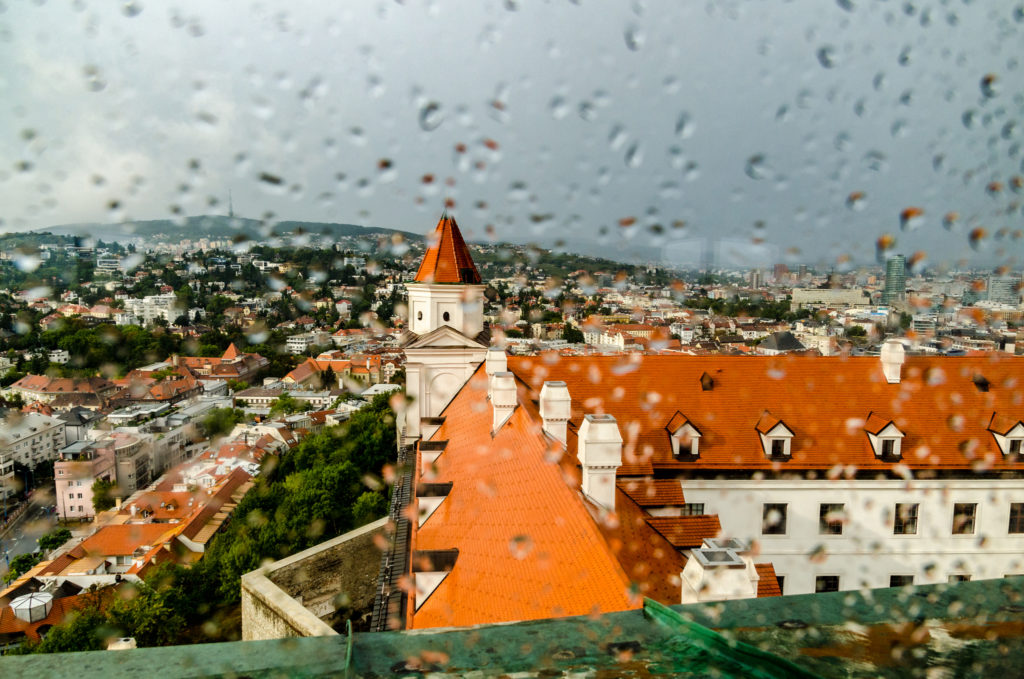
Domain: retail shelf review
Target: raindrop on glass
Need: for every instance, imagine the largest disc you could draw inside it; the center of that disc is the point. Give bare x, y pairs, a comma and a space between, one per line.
431, 116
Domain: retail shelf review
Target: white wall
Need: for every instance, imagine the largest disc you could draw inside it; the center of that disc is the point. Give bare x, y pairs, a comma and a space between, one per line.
868, 552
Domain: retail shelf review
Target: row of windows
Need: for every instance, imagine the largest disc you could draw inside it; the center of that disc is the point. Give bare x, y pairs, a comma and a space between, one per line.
830, 583
832, 517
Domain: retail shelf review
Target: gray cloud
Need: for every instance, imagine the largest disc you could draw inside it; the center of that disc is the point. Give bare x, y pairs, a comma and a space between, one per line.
569, 114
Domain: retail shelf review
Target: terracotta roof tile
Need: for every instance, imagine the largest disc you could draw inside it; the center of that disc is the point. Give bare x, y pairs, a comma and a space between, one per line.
825, 401
653, 493
687, 532
528, 548
447, 260
768, 585
876, 423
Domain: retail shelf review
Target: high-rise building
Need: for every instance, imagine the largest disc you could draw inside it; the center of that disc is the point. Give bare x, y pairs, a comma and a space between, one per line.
895, 280
1004, 289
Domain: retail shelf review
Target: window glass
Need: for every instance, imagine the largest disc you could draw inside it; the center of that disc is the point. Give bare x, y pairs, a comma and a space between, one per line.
830, 519
964, 514
826, 583
773, 519
905, 522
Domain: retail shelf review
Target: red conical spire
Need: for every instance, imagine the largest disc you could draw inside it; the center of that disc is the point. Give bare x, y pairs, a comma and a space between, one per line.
447, 259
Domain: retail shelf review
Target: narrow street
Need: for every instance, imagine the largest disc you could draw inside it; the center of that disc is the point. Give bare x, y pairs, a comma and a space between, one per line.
23, 536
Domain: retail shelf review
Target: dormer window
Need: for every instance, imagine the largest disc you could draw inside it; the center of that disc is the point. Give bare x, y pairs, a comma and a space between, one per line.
1008, 433
684, 437
885, 437
776, 437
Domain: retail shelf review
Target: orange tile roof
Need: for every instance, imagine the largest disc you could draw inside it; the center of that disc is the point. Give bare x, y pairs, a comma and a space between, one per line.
687, 532
651, 563
231, 353
447, 260
768, 585
528, 548
876, 423
11, 624
124, 539
653, 493
825, 401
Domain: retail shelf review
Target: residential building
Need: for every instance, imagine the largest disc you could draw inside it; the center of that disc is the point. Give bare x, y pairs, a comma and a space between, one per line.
29, 439
74, 472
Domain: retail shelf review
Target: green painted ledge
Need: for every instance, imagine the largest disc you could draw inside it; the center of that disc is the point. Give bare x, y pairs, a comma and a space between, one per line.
972, 629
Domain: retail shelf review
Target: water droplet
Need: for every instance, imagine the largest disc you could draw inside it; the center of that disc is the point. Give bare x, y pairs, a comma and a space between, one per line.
904, 57
634, 155
757, 167
634, 37
846, 4
691, 171
842, 141
27, 261
900, 128
617, 137
685, 126
969, 118
878, 82
876, 161
911, 218
518, 191
856, 200
559, 108
977, 237
782, 114
827, 56
131, 9
587, 111
94, 81
994, 188
950, 220
431, 116
989, 85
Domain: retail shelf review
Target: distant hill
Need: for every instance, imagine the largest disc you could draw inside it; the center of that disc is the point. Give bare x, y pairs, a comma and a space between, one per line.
217, 226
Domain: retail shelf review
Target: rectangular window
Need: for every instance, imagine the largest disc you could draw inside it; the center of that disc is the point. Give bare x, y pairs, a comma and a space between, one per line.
906, 519
888, 447
826, 583
79, 496
1016, 517
830, 519
1015, 446
964, 514
773, 519
71, 496
959, 577
693, 509
778, 448
782, 582
901, 580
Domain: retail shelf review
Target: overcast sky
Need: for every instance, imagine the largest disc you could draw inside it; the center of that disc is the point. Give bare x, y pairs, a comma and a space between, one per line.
749, 122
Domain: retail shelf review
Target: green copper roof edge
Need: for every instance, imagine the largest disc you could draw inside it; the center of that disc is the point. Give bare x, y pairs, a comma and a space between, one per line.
759, 663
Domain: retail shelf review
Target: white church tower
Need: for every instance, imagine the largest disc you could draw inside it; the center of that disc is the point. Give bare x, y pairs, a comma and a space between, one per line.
446, 341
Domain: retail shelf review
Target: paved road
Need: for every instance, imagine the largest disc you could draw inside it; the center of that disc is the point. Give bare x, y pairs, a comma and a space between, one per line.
22, 539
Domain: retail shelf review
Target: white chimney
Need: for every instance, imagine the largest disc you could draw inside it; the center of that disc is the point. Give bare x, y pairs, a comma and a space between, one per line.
496, 362
503, 398
600, 453
892, 360
555, 407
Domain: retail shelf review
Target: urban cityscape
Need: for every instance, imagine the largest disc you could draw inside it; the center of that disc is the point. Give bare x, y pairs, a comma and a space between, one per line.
512, 340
